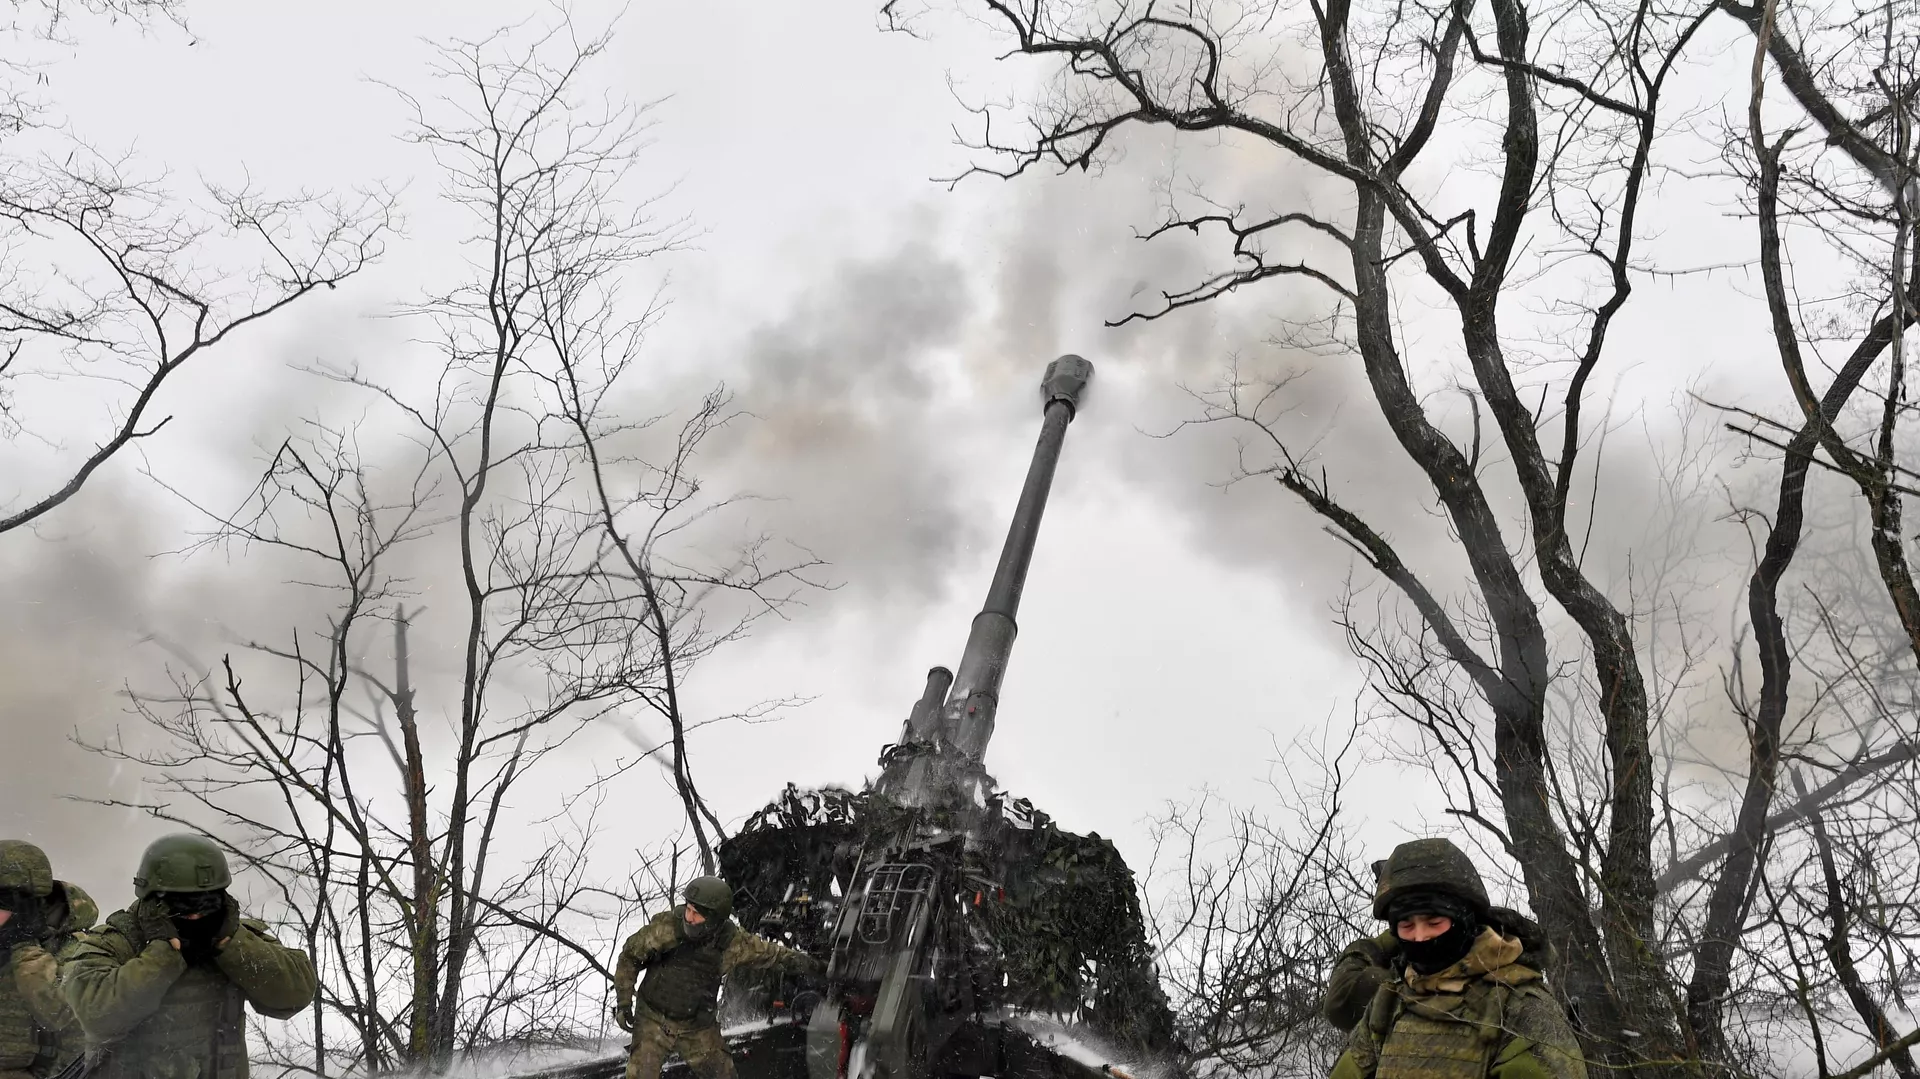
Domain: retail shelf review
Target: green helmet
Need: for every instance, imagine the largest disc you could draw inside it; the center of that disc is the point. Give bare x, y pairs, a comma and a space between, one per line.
25, 868
711, 896
182, 862
1429, 865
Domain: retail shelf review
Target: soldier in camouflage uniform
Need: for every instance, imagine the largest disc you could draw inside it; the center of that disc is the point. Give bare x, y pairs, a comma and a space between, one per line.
1367, 964
38, 919
686, 952
1458, 1003
162, 988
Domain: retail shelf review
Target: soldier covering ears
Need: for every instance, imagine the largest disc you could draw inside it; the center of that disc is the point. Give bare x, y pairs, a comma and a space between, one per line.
162, 988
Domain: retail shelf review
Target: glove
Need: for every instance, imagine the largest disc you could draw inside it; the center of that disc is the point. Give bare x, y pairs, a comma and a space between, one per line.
623, 1016
151, 918
813, 967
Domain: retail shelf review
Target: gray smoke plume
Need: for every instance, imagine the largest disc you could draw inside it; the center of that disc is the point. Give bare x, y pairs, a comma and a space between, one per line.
1069, 261
107, 596
76, 595
852, 435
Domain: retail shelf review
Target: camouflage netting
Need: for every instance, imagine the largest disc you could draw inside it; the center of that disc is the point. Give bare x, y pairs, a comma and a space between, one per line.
1068, 926
1076, 934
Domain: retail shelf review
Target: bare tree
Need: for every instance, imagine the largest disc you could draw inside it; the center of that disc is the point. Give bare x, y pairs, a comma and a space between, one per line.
588, 574
121, 300
1248, 919
54, 21
112, 282
1854, 74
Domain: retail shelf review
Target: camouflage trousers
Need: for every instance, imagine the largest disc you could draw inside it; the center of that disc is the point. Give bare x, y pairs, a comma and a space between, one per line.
699, 1044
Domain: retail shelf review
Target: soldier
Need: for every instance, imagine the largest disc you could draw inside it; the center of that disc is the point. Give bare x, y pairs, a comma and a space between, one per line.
38, 919
686, 952
161, 989
1367, 963
1458, 1002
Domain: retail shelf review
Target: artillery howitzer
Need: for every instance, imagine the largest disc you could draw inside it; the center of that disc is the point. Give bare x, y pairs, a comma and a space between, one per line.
960, 926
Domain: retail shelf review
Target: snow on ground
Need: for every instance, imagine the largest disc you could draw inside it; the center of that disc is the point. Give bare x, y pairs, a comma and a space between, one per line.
508, 1065
1082, 1045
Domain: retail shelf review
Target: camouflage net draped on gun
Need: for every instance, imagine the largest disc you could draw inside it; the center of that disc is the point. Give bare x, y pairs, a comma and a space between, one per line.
1062, 909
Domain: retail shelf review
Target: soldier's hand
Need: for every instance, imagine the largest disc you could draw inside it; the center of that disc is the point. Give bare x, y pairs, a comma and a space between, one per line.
623, 1016
150, 917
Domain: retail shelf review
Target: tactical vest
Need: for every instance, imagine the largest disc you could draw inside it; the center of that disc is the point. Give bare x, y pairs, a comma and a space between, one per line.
24, 1045
684, 985
198, 1032
1441, 1035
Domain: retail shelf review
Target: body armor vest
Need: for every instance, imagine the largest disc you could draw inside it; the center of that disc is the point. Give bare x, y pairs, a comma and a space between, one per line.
684, 985
198, 1031
1439, 1036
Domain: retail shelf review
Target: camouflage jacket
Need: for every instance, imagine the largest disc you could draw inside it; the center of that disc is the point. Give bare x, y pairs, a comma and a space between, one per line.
1368, 963
662, 942
148, 1014
1365, 966
38, 1034
1486, 1017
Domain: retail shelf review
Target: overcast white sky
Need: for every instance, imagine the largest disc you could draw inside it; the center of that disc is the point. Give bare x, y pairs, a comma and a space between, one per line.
1170, 633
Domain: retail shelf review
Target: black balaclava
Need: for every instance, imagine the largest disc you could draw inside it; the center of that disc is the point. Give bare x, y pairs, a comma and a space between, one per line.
27, 911
197, 935
1443, 951
705, 929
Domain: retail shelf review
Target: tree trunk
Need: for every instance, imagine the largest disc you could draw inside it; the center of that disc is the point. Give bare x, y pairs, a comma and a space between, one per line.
426, 885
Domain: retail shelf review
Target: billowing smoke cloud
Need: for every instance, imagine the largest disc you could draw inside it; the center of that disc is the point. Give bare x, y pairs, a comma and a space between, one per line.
1069, 262
853, 432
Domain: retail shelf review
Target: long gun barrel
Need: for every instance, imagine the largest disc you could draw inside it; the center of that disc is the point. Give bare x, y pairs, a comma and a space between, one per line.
955, 717
968, 720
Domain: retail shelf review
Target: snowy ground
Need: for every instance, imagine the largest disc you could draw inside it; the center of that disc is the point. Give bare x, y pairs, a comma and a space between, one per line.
1070, 1042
